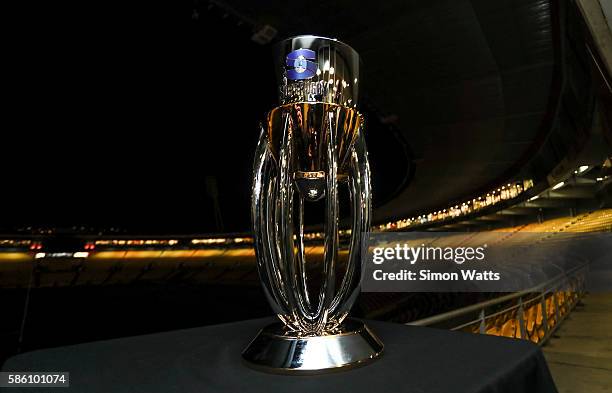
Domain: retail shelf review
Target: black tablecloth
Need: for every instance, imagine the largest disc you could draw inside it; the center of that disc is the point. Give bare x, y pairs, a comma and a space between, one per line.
207, 359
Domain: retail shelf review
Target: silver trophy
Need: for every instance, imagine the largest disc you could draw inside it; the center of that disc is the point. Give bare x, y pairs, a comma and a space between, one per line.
311, 146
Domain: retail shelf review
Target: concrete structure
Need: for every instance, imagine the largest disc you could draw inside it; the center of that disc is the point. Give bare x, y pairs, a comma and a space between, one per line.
598, 15
580, 353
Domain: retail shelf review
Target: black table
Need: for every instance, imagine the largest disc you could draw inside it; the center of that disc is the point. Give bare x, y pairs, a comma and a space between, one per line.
207, 359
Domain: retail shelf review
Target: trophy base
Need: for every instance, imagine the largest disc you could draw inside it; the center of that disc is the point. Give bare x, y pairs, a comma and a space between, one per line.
275, 351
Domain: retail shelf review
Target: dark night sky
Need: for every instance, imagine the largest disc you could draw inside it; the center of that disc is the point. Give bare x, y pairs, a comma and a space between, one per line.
117, 121
116, 117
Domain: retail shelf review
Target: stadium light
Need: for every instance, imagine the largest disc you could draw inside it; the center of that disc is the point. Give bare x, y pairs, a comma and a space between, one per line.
558, 185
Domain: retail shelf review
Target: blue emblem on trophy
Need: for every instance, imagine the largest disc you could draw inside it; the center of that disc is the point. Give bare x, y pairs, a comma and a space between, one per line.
303, 64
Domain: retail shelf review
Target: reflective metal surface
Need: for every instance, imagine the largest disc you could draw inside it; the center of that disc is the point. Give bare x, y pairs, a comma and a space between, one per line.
275, 349
282, 185
310, 126
310, 146
317, 69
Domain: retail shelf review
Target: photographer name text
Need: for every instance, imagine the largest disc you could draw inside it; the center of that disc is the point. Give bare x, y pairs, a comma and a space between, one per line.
409, 256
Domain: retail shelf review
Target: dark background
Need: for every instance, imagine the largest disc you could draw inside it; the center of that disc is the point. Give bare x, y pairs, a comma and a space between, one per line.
118, 114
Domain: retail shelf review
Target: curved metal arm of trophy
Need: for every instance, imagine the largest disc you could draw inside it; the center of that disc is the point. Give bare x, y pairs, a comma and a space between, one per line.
329, 142
360, 200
